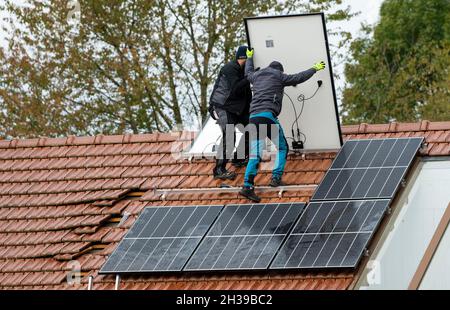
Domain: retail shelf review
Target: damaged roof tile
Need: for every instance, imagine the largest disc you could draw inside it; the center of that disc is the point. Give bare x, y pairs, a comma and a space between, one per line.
64, 198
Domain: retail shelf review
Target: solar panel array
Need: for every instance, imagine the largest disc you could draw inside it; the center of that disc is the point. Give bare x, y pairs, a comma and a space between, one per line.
368, 169
348, 205
331, 234
332, 231
245, 237
162, 239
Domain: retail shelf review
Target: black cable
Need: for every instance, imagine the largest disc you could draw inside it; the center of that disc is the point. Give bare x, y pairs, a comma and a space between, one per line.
295, 112
301, 98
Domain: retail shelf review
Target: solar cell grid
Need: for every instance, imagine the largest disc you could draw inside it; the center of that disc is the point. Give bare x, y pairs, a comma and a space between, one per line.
330, 234
162, 239
368, 169
245, 237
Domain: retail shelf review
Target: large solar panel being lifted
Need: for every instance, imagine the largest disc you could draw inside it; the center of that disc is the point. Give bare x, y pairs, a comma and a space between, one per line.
331, 234
161, 239
368, 169
245, 237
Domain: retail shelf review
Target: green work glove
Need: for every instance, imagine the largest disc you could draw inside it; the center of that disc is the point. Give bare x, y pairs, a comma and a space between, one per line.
250, 53
319, 66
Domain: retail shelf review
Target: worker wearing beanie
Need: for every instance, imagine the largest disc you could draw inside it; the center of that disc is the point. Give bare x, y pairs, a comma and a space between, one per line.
268, 89
229, 105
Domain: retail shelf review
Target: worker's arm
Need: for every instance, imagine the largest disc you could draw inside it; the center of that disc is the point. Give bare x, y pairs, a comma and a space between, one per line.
249, 66
240, 86
294, 79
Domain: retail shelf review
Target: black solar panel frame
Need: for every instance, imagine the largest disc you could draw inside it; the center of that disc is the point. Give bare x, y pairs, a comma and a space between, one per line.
130, 232
292, 233
397, 184
208, 236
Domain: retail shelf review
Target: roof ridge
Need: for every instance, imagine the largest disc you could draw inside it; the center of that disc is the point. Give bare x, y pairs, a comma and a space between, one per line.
423, 125
96, 139
72, 140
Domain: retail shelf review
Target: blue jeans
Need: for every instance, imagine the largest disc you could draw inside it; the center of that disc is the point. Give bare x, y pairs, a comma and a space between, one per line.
258, 142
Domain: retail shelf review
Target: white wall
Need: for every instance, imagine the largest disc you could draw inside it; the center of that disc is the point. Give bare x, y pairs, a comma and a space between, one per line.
403, 245
437, 276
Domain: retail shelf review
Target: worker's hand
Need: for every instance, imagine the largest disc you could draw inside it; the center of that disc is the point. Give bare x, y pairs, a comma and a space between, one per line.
250, 53
212, 113
319, 66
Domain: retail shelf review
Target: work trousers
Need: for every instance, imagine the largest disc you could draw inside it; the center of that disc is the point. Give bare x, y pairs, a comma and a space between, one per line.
227, 142
266, 126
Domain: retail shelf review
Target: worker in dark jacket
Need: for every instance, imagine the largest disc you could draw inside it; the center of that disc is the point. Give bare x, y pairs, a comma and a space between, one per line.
229, 105
268, 89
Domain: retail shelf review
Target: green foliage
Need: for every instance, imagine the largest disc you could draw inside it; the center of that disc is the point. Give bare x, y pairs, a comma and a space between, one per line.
120, 65
403, 72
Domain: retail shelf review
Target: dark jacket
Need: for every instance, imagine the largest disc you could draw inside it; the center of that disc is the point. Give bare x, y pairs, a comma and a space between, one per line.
268, 85
231, 91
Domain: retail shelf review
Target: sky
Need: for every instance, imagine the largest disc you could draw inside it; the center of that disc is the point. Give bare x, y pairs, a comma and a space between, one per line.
369, 13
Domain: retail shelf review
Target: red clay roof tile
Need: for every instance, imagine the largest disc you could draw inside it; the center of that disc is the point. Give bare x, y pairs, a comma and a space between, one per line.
85, 140
142, 138
132, 172
150, 160
113, 139
441, 149
60, 151
169, 136
47, 223
132, 148
439, 126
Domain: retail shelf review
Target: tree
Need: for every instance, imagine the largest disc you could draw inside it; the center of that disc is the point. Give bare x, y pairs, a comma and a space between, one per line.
97, 66
403, 72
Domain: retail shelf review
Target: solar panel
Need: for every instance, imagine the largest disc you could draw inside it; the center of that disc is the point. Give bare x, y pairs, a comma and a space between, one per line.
331, 234
245, 237
368, 169
161, 239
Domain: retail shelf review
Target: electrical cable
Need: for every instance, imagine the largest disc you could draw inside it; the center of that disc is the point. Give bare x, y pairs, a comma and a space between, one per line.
301, 98
295, 112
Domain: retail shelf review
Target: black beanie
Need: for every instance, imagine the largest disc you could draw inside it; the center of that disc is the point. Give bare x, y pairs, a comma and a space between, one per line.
276, 65
241, 52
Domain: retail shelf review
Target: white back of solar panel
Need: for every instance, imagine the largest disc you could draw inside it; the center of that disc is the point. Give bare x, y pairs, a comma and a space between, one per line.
298, 42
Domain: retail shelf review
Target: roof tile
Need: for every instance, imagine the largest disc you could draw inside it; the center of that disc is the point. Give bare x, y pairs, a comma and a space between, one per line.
439, 126
23, 153
27, 142
441, 149
50, 212
77, 150
150, 137
5, 144
113, 139
408, 127
72, 140
54, 141
59, 151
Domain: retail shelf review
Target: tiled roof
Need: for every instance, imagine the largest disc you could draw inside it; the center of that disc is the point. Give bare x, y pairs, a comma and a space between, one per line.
62, 200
